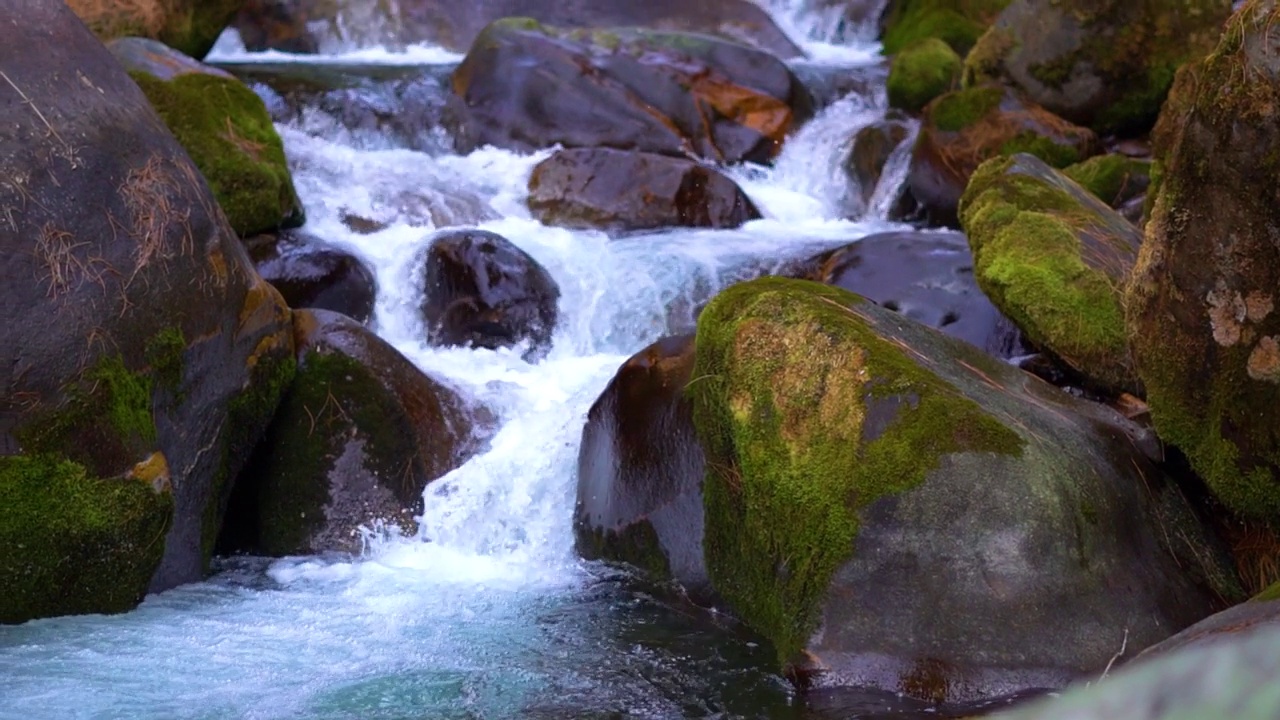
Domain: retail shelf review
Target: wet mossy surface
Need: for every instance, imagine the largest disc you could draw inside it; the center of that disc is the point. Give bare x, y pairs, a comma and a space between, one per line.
1111, 178
72, 543
956, 111
807, 416
1053, 264
959, 23
922, 72
226, 130
637, 544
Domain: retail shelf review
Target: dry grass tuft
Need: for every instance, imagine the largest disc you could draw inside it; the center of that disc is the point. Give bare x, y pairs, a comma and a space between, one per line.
115, 18
1256, 549
62, 264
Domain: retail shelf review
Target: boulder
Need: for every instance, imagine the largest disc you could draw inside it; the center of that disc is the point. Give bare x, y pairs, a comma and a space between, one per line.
892, 508
959, 23
225, 129
962, 129
1114, 179
1200, 304
189, 26
311, 274
870, 152
640, 468
525, 86
619, 191
138, 344
1054, 258
482, 290
926, 276
1105, 64
308, 26
921, 72
360, 433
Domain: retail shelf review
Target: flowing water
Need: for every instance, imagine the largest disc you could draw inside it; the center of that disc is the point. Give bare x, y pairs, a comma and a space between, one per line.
485, 612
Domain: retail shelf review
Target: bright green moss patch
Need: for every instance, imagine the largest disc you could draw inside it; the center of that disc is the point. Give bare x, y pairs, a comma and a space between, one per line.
807, 416
72, 543
1052, 264
956, 111
1270, 594
959, 23
226, 130
1111, 178
921, 73
1055, 154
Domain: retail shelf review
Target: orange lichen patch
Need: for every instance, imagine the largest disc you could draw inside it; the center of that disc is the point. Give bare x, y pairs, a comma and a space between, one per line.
1264, 361
263, 307
154, 471
767, 115
113, 18
1226, 313
269, 345
1257, 306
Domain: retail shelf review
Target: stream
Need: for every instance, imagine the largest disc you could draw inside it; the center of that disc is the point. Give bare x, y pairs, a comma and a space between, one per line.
485, 612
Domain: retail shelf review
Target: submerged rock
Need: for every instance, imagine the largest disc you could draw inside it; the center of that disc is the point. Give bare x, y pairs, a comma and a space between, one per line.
962, 129
926, 276
892, 508
482, 290
621, 191
869, 154
525, 86
1054, 258
139, 344
301, 26
225, 129
1201, 302
310, 274
360, 433
1105, 64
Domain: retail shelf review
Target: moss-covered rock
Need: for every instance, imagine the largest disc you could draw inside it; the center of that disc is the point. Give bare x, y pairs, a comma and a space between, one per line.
75, 543
959, 23
1113, 178
1106, 64
225, 128
906, 494
921, 72
358, 436
1054, 258
962, 129
524, 86
189, 26
1201, 303
136, 328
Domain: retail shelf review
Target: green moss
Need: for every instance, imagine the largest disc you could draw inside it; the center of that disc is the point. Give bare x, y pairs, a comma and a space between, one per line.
249, 414
958, 23
958, 110
1136, 110
1055, 73
194, 28
1029, 258
164, 354
983, 64
71, 543
226, 130
106, 422
922, 72
1111, 178
1270, 594
807, 416
1055, 154
637, 545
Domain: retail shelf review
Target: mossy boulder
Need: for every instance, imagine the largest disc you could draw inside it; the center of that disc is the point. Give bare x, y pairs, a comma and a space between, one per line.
1114, 179
1105, 64
137, 328
360, 433
921, 72
1054, 258
1201, 301
884, 503
481, 290
302, 26
525, 86
622, 191
640, 470
80, 544
962, 129
225, 128
190, 26
959, 23
926, 276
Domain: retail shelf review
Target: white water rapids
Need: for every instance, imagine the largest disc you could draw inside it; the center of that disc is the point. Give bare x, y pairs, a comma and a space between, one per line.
486, 612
